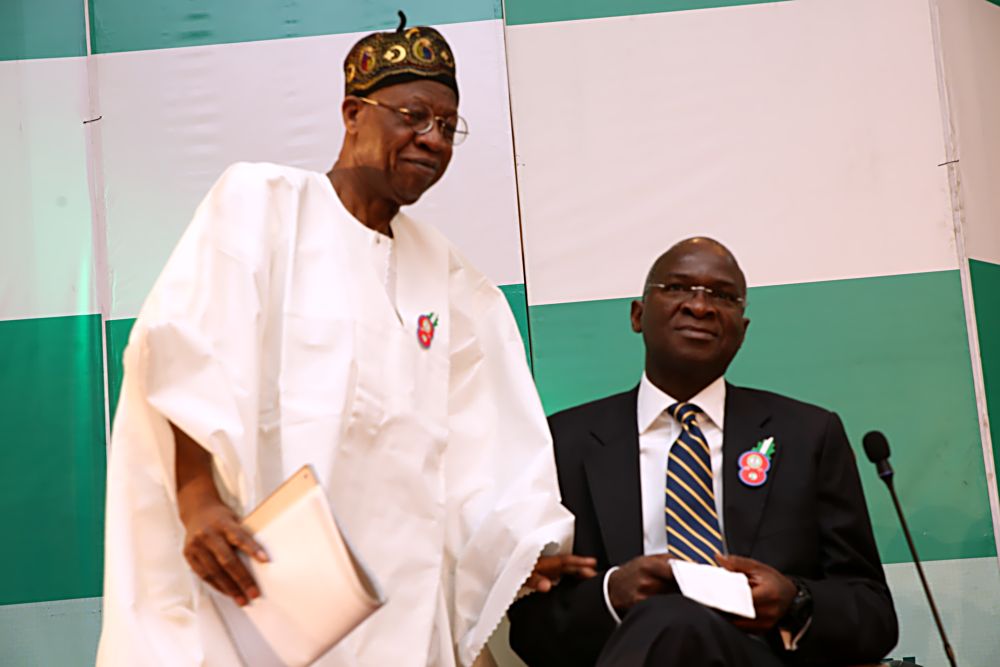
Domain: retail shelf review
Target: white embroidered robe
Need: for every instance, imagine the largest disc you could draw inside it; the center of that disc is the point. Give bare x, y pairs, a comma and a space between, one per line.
269, 338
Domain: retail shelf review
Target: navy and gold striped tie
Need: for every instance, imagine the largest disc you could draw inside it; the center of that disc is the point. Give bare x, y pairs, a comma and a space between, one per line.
692, 522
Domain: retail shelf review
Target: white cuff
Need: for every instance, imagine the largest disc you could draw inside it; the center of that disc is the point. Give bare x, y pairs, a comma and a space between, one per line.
607, 598
792, 643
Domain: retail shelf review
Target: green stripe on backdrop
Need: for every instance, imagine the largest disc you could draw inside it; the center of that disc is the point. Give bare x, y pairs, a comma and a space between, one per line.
117, 339
127, 25
52, 458
118, 331
986, 294
887, 353
518, 300
42, 29
548, 11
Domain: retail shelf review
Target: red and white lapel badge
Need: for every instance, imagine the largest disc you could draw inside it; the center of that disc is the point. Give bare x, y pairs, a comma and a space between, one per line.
754, 463
426, 325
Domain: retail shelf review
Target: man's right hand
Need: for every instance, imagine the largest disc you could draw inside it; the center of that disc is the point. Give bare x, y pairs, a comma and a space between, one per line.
639, 579
214, 532
214, 535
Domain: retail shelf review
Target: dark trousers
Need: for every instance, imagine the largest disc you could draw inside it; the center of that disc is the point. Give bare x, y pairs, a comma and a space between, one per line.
673, 631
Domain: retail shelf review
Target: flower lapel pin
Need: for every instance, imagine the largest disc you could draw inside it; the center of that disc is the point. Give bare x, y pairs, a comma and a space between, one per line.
426, 325
754, 463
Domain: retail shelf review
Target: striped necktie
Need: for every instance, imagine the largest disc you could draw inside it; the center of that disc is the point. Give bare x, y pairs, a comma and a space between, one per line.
692, 522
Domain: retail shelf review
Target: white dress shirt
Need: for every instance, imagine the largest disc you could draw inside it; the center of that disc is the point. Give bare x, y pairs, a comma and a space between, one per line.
657, 433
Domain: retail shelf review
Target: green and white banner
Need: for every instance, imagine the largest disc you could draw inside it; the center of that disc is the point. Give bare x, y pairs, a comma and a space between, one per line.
847, 151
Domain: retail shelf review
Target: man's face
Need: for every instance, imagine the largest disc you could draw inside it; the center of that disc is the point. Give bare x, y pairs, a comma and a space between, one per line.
692, 330
398, 163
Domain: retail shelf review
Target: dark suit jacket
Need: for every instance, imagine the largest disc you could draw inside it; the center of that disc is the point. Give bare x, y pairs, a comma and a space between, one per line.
808, 520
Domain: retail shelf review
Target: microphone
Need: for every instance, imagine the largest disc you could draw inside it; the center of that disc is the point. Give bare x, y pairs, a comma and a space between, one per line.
877, 450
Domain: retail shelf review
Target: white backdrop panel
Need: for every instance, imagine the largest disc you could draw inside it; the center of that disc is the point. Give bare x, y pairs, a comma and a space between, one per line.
46, 259
806, 135
970, 31
963, 592
58, 632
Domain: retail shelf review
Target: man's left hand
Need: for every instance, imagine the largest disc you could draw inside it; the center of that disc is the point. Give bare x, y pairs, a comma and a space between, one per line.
549, 569
772, 592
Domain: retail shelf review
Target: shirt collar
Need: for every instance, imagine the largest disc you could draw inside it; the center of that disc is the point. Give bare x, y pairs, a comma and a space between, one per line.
653, 401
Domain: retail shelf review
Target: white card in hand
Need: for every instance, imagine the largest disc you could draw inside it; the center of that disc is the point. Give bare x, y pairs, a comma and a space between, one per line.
714, 587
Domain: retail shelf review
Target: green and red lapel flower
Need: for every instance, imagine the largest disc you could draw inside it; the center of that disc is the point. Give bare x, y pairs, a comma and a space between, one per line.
754, 463
426, 325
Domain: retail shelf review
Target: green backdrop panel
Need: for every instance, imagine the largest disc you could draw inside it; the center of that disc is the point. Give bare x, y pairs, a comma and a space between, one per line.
518, 300
52, 458
887, 353
117, 339
986, 294
42, 29
583, 350
127, 25
547, 11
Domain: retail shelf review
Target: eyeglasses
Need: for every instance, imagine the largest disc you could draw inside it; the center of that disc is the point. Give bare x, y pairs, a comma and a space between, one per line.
716, 297
422, 120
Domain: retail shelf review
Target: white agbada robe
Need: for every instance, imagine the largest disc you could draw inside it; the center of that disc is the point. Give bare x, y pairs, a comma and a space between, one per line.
271, 340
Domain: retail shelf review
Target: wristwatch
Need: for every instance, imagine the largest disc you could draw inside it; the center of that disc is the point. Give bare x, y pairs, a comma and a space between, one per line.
800, 611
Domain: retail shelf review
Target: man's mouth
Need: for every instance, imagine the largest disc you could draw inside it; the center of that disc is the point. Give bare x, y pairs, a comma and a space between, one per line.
428, 166
697, 333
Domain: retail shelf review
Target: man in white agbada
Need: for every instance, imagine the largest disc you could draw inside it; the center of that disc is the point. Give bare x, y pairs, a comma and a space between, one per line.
303, 319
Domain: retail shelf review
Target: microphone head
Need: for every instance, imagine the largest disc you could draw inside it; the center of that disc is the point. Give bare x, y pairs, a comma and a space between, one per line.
876, 446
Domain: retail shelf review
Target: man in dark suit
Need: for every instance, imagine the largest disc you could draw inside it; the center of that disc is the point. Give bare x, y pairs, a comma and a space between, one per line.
687, 466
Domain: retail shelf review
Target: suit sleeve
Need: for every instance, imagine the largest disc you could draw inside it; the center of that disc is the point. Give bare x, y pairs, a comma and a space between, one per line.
853, 616
566, 627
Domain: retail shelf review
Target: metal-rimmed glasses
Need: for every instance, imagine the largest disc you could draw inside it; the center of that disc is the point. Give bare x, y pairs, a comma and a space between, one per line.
422, 120
717, 297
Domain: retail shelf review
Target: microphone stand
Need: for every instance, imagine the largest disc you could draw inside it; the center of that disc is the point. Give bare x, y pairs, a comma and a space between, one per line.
887, 478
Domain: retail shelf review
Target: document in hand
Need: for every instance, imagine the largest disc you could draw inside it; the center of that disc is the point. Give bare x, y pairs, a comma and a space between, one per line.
314, 590
714, 587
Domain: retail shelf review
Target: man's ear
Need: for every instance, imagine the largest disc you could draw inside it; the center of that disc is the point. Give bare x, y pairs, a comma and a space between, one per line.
636, 316
743, 336
349, 110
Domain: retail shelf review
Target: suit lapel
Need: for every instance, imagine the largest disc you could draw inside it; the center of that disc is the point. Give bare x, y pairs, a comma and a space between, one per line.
613, 477
745, 421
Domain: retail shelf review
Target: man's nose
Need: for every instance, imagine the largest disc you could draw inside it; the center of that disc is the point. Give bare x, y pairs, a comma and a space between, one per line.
698, 304
433, 140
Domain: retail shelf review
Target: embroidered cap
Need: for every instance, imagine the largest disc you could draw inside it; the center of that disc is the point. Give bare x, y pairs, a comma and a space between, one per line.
384, 59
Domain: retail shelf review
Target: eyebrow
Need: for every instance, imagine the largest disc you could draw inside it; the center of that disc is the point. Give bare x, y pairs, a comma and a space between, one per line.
725, 282
418, 98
